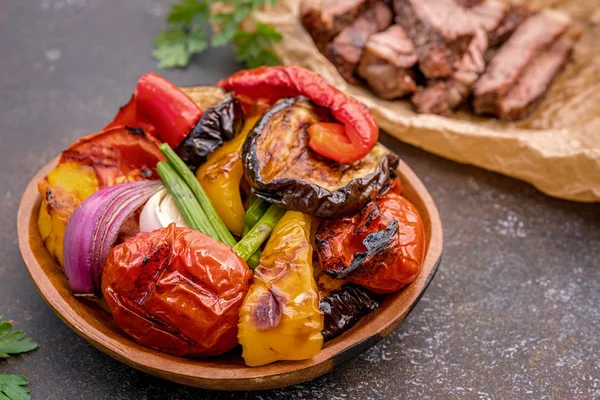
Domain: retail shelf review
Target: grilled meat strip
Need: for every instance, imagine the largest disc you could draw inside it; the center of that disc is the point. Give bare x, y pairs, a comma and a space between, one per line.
346, 48
535, 79
386, 63
323, 19
443, 96
441, 31
530, 38
515, 15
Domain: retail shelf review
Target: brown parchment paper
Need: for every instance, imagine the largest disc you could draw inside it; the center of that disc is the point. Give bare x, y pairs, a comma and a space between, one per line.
557, 149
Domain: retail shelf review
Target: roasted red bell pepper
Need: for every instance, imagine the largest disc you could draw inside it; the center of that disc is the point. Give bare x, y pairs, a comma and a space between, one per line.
118, 154
345, 143
160, 109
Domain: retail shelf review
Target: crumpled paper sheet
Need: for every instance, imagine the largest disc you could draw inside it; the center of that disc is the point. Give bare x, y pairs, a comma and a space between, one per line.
557, 149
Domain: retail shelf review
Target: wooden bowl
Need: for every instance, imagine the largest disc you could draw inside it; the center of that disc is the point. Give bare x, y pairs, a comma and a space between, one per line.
226, 372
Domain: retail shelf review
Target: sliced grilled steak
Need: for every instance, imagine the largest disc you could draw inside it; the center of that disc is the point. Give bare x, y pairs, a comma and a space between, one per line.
346, 49
468, 3
535, 79
441, 31
530, 38
443, 96
434, 98
489, 14
323, 19
386, 63
514, 17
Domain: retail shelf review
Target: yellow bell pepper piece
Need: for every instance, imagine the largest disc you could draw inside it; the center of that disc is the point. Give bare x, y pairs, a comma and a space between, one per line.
220, 177
280, 318
62, 191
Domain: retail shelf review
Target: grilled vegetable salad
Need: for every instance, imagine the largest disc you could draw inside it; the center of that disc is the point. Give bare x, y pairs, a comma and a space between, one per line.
262, 213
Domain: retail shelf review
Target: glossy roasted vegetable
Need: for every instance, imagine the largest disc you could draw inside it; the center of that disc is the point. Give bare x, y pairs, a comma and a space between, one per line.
118, 155
348, 140
280, 318
380, 248
282, 169
159, 108
177, 290
93, 230
96, 161
205, 96
216, 126
344, 307
62, 191
220, 177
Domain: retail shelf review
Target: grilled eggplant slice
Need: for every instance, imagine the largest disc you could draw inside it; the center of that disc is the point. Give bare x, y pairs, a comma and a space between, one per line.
344, 307
205, 96
282, 169
216, 126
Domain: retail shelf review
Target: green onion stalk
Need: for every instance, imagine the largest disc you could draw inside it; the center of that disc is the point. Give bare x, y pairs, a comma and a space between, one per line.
200, 214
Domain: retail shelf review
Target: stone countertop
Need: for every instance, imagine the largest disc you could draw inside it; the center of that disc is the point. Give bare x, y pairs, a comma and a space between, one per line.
513, 312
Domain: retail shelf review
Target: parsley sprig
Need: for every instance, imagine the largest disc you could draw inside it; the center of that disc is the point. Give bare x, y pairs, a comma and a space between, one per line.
12, 387
189, 20
13, 342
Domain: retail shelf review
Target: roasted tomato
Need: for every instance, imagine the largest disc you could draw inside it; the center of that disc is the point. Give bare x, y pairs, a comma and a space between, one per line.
177, 290
380, 248
217, 125
282, 169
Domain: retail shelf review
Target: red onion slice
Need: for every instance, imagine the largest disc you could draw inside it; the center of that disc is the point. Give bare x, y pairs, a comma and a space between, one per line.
93, 228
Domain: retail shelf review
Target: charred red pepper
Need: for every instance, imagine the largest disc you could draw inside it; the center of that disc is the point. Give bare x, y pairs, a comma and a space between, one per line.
347, 141
177, 290
119, 154
380, 248
161, 109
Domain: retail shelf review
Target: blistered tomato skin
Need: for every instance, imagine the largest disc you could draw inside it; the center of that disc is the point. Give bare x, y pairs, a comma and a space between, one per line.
176, 290
380, 248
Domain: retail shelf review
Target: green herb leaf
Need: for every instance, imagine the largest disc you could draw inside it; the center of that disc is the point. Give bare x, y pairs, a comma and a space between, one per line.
196, 40
185, 11
13, 342
254, 47
12, 387
171, 50
227, 28
185, 35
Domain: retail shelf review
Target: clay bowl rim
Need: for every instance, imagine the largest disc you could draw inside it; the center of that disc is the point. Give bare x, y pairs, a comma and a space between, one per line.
222, 373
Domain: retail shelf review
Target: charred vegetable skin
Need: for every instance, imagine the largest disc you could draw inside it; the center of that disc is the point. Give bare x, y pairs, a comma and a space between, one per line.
348, 140
177, 290
217, 125
380, 248
282, 169
106, 158
343, 308
118, 155
62, 191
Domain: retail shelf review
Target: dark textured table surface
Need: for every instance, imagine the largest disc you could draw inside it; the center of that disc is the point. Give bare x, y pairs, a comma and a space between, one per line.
513, 312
